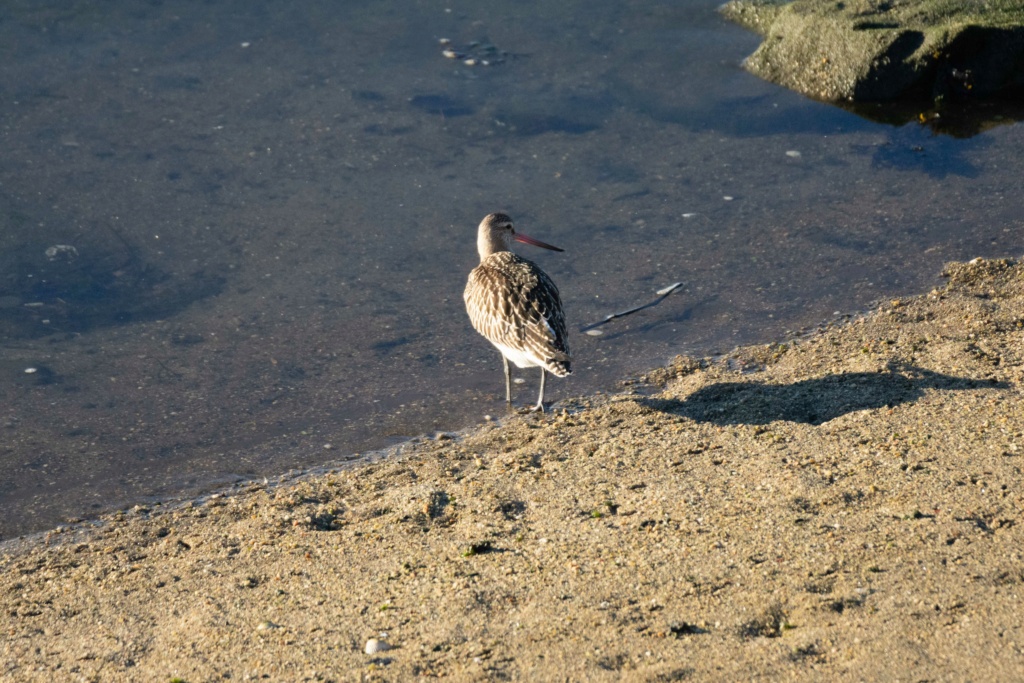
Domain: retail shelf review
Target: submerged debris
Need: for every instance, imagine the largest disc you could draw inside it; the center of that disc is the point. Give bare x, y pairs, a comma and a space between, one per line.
476, 53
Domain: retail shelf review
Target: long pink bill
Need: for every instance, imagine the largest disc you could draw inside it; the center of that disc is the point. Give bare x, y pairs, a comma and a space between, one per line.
526, 239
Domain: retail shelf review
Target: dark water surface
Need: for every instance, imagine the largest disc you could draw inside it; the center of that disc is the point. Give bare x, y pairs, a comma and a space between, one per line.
234, 232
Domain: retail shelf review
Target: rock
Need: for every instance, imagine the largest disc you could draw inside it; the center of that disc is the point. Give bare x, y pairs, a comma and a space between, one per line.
861, 50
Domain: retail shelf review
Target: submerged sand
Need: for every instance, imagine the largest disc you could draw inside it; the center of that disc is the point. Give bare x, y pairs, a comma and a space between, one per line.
847, 506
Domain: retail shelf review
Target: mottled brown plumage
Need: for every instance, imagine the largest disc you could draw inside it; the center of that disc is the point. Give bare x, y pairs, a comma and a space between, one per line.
516, 306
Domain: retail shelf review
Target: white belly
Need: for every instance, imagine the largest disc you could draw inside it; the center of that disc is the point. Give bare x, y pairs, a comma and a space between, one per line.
517, 356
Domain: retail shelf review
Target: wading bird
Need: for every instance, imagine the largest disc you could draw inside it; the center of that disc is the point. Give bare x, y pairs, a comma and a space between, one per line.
516, 306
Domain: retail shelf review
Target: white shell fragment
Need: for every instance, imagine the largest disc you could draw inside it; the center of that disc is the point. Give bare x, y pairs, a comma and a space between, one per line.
474, 53
668, 290
64, 251
793, 153
375, 645
595, 333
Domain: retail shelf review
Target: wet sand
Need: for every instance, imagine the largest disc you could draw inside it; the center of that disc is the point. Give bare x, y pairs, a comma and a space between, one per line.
847, 506
273, 208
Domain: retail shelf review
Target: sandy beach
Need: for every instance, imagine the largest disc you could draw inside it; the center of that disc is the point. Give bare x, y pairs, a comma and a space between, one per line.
845, 506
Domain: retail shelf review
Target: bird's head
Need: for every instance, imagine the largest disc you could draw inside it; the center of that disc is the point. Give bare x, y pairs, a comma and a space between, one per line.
497, 234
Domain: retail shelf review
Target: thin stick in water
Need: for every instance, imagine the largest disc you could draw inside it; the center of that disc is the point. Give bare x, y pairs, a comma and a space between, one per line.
662, 293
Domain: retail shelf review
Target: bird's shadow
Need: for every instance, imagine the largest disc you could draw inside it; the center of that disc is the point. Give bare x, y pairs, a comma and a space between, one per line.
812, 401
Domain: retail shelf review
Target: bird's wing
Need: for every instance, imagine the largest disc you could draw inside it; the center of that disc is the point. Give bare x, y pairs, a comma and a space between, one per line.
548, 328
516, 304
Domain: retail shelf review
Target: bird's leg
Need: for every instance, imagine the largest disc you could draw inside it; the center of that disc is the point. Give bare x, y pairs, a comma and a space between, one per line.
508, 381
540, 399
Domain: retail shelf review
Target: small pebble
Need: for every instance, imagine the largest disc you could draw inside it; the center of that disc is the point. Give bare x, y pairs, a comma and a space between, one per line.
519, 380
793, 153
375, 645
29, 371
727, 198
450, 54
595, 333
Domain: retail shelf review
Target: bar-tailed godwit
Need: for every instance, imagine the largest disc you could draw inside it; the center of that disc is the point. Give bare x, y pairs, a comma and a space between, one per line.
515, 305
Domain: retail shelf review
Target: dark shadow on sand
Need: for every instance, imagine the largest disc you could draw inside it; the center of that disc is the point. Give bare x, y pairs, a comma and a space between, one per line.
812, 401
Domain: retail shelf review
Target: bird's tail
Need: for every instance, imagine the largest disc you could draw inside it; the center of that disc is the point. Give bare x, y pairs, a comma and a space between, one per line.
559, 364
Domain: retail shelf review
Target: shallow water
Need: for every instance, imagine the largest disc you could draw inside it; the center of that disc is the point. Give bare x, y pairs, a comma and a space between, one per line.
273, 211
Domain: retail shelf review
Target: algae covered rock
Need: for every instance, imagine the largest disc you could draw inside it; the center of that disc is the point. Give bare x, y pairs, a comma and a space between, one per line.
887, 50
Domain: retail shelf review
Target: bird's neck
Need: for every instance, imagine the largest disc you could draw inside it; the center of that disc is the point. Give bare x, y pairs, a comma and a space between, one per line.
487, 244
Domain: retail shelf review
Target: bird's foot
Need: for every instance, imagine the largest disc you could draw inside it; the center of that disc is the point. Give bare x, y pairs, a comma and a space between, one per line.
526, 410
